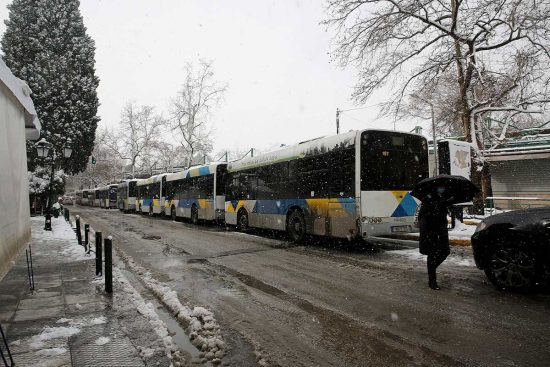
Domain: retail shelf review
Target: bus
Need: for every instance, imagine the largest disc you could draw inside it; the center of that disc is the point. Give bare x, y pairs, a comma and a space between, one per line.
149, 195
103, 193
78, 197
126, 195
85, 197
351, 185
112, 201
196, 193
94, 201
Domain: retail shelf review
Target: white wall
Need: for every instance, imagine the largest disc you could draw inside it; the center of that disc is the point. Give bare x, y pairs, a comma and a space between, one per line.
15, 230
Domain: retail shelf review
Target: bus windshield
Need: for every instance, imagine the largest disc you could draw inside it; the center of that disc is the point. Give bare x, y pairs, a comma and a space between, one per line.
392, 160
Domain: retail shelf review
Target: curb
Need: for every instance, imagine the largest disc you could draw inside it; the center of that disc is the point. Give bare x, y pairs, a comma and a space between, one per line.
453, 242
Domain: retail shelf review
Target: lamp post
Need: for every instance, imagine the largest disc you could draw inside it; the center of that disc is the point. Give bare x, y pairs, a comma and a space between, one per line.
43, 148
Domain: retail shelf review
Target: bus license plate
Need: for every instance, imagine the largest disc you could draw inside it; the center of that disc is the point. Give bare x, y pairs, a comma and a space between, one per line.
401, 229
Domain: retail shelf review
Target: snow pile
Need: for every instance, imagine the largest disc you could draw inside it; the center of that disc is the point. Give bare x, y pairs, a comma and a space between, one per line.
202, 327
148, 310
51, 352
49, 333
98, 320
413, 254
102, 340
461, 231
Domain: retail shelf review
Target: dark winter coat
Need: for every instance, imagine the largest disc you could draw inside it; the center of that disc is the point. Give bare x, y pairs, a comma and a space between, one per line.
432, 221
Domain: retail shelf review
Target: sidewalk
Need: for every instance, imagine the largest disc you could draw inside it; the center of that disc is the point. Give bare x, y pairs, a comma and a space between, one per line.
69, 320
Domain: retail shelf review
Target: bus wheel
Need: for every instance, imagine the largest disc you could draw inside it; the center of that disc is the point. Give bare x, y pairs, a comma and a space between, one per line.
242, 220
194, 215
173, 213
296, 227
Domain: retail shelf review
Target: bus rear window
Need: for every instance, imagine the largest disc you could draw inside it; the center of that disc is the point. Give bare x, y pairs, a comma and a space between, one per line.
392, 161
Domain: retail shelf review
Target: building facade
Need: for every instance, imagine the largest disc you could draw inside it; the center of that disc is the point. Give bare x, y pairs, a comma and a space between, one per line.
18, 122
520, 170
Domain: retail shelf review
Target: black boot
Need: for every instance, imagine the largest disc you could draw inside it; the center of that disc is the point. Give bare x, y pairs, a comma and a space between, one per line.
432, 280
432, 283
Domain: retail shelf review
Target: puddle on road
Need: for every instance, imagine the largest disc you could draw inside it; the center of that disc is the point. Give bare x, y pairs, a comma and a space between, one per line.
176, 331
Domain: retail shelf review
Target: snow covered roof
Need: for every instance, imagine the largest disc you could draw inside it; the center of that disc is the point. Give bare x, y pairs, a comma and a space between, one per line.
150, 180
202, 170
310, 147
21, 92
535, 144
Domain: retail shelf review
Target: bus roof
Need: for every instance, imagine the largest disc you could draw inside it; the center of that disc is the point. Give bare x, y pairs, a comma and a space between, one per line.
150, 180
300, 150
196, 171
309, 147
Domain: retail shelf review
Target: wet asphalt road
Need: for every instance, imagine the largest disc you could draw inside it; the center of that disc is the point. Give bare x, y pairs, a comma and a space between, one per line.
331, 305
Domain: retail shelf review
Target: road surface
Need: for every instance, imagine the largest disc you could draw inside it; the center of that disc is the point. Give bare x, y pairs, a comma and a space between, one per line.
327, 304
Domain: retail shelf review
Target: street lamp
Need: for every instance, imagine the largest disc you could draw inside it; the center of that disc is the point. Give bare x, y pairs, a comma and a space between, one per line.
43, 148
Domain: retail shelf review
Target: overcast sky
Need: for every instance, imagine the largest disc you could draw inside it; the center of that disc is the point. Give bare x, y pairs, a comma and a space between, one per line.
273, 55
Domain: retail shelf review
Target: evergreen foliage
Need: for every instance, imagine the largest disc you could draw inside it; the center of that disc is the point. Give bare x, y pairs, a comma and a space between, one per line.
46, 45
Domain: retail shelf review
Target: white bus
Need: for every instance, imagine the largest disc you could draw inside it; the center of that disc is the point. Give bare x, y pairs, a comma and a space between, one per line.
126, 195
350, 185
85, 197
95, 198
150, 199
196, 193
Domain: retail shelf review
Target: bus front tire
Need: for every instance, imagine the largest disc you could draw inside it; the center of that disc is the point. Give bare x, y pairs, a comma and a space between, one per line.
296, 227
194, 215
242, 220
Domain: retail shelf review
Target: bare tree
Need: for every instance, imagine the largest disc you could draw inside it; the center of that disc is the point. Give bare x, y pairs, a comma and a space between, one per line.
494, 54
139, 132
191, 109
108, 166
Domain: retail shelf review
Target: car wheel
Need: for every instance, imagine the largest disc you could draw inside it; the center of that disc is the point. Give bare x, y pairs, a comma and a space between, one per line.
545, 276
296, 227
511, 267
242, 220
194, 215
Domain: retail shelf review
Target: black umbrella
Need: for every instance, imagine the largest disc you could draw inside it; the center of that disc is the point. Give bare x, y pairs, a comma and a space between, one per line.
457, 189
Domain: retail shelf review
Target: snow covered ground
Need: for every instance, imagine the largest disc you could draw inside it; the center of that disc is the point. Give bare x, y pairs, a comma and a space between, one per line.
414, 255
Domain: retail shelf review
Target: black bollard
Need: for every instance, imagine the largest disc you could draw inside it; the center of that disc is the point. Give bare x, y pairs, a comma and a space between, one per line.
108, 264
98, 254
86, 238
78, 233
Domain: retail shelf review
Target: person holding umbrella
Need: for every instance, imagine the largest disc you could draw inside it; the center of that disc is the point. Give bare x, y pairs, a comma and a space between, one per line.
437, 194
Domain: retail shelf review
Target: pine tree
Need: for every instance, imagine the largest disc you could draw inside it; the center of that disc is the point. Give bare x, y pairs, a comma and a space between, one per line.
46, 45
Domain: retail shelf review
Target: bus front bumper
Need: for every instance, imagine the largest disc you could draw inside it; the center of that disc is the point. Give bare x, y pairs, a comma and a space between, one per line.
388, 227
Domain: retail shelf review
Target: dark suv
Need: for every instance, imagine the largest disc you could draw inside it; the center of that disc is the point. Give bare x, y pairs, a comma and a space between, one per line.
514, 248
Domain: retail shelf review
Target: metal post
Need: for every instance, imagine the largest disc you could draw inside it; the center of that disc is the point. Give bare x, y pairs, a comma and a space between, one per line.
98, 254
108, 264
86, 241
6, 346
337, 121
78, 233
30, 270
48, 221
